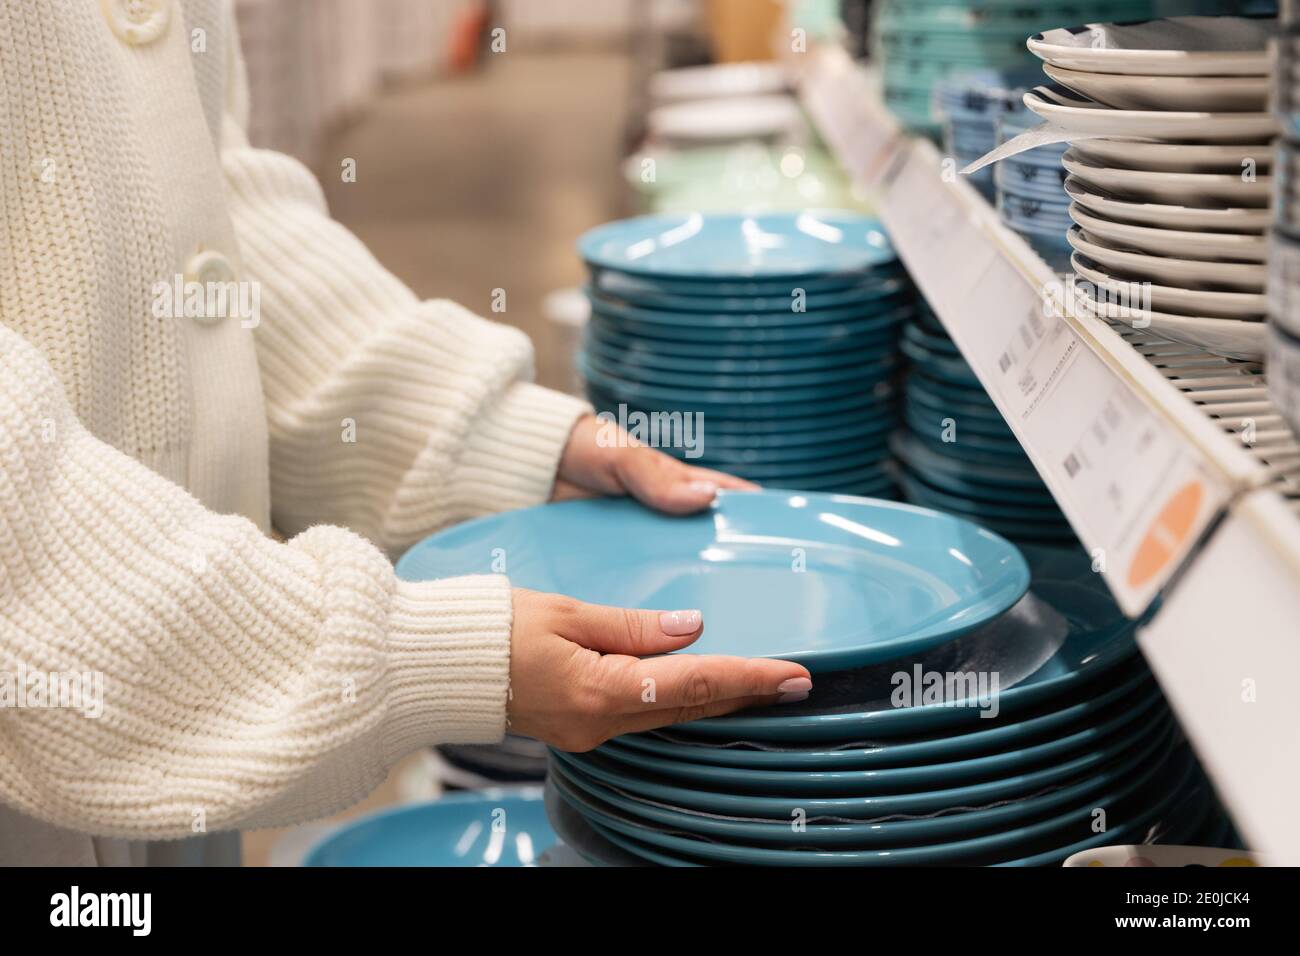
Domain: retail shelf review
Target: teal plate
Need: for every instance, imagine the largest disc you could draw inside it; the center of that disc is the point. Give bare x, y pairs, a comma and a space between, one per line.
883, 579
940, 366
799, 337
611, 366
1114, 731
883, 309
1064, 588
807, 403
1040, 725
941, 501
740, 246
970, 398
819, 808
920, 456
727, 375
1134, 807
498, 827
869, 435
1092, 789
815, 354
645, 295
618, 283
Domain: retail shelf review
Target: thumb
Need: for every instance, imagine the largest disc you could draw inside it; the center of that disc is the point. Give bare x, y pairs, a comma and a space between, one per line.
616, 630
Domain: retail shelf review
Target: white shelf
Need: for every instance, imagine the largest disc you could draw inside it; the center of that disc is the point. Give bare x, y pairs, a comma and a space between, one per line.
1170, 463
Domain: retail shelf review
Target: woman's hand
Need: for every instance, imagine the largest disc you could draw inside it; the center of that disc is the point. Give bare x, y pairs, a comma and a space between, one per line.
602, 459
576, 677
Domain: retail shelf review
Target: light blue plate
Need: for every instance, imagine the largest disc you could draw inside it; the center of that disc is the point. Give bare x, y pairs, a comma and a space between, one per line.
766, 405
1133, 806
1035, 727
882, 580
799, 337
644, 294
1094, 787
865, 782
733, 247
611, 366
505, 827
1099, 638
650, 355
884, 310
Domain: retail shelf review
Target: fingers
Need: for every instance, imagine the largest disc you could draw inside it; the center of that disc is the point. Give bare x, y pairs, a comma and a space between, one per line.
616, 630
567, 491
687, 683
671, 486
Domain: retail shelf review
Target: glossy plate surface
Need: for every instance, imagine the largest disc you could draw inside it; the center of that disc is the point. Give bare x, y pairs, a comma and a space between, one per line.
882, 580
737, 246
1176, 46
1065, 594
487, 828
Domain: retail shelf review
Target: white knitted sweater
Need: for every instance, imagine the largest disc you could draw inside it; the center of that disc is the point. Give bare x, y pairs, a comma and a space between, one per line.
246, 683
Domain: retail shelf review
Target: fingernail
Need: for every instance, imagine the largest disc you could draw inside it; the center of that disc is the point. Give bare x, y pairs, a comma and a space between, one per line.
795, 685
792, 698
680, 623
704, 488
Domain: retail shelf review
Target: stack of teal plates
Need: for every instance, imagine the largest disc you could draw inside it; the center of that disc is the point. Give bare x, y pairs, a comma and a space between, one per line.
920, 42
763, 345
890, 765
957, 453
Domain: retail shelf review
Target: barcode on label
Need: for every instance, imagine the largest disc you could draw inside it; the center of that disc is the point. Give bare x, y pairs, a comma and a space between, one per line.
1071, 465
1004, 361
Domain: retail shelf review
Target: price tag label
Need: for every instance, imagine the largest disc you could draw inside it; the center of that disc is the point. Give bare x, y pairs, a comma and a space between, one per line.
1136, 494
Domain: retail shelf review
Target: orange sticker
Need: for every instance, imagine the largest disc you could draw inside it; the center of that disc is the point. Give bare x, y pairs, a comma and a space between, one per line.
1167, 534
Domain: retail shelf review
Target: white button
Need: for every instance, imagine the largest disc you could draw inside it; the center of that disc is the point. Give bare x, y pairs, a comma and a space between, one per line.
137, 21
206, 267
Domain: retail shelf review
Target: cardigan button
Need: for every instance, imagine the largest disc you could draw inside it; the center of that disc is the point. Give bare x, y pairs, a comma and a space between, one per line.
206, 268
137, 21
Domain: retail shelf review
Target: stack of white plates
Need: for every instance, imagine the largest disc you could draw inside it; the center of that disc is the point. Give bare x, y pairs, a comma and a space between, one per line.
772, 338
1168, 171
1284, 244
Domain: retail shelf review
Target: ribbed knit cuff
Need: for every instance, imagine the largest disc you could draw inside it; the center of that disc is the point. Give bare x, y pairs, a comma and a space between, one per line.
513, 450
449, 671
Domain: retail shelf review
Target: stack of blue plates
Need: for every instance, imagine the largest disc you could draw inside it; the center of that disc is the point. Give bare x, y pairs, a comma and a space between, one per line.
921, 42
958, 454
870, 772
762, 345
1031, 193
970, 106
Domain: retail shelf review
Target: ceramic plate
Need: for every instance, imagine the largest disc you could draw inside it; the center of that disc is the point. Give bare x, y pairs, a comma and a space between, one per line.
886, 309
639, 292
1172, 189
485, 828
726, 118
1187, 244
1180, 273
1215, 218
1226, 94
1117, 732
1191, 302
796, 355
790, 338
902, 832
1129, 812
853, 708
718, 80
611, 364
1232, 338
1049, 721
1085, 117
1149, 854
1175, 157
737, 246
1177, 46
884, 579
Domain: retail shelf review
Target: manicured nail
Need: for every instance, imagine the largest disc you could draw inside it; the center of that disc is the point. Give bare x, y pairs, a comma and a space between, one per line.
704, 488
680, 623
794, 685
793, 698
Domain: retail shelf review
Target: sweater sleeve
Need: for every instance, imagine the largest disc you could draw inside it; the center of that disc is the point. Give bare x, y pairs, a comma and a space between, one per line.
240, 683
390, 415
